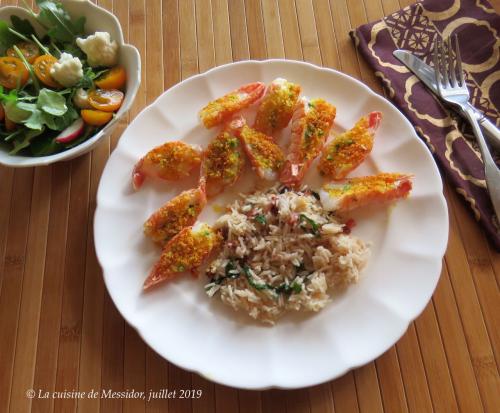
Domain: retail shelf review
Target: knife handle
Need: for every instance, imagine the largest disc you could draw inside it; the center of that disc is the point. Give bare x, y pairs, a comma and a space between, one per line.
492, 133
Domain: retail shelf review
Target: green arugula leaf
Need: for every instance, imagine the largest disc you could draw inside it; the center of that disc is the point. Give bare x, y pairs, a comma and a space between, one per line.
9, 97
79, 25
69, 117
52, 102
58, 22
35, 121
51, 110
13, 135
53, 122
87, 81
59, 123
24, 142
22, 26
45, 145
18, 111
7, 39
72, 49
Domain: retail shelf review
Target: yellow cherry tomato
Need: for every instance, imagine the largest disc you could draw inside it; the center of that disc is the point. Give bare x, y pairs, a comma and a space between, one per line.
114, 79
95, 117
29, 50
42, 67
106, 100
12, 72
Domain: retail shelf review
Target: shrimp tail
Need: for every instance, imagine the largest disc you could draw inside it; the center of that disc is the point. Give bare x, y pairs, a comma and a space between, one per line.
292, 173
138, 176
157, 275
374, 119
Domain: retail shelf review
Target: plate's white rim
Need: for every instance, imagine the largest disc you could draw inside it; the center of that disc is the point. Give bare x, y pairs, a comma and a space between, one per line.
436, 258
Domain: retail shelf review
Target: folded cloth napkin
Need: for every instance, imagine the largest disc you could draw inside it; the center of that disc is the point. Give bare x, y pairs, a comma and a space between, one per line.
449, 138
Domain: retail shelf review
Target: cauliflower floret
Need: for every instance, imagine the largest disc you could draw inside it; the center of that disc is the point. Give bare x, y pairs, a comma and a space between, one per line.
81, 99
67, 70
99, 48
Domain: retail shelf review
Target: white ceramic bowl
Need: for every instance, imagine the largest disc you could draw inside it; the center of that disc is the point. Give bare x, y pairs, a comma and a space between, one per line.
98, 19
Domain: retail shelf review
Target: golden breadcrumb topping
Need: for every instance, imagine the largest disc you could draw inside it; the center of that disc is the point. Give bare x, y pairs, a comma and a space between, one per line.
177, 214
221, 109
223, 158
276, 109
380, 183
210, 114
346, 151
189, 248
315, 126
174, 159
264, 152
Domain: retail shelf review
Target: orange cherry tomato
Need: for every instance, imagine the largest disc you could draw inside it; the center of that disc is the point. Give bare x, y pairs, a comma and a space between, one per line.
106, 100
2, 113
114, 79
29, 50
42, 67
12, 72
95, 117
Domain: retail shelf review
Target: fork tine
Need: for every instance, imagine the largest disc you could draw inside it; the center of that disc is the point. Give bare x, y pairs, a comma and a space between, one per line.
459, 62
451, 64
437, 69
444, 66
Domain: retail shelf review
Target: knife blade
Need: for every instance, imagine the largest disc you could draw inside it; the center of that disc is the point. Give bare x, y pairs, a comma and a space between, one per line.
427, 75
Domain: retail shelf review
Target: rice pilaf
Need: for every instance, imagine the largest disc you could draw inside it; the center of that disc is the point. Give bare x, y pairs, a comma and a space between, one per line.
282, 252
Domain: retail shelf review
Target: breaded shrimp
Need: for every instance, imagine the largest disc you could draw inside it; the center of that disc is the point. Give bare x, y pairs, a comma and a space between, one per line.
223, 108
185, 252
349, 149
276, 109
170, 161
223, 160
266, 157
177, 214
311, 124
368, 190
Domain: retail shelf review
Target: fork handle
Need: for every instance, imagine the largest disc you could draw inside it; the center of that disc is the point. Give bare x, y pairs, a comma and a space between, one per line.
491, 131
492, 173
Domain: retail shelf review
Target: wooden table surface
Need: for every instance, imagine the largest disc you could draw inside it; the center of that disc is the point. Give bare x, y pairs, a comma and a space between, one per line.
59, 329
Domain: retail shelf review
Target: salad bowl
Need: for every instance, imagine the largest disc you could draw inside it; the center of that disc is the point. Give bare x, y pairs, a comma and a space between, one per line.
97, 19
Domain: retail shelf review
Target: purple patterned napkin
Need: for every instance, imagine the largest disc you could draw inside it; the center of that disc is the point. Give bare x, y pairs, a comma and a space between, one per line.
450, 139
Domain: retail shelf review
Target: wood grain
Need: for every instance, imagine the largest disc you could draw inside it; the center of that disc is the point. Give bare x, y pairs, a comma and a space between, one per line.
59, 327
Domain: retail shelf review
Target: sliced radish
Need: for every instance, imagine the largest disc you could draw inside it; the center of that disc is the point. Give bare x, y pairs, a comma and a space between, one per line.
72, 132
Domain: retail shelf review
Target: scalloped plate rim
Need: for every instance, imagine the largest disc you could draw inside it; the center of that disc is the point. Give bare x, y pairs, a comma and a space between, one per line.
436, 258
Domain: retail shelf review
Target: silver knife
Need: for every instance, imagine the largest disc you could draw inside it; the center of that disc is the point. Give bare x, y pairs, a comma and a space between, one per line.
426, 74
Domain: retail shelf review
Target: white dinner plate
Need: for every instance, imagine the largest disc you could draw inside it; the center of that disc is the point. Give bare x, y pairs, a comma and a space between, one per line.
181, 323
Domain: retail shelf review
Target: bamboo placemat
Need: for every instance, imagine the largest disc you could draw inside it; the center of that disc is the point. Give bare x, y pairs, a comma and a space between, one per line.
58, 327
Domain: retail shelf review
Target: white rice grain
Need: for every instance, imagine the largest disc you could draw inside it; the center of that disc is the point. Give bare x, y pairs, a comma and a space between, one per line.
283, 252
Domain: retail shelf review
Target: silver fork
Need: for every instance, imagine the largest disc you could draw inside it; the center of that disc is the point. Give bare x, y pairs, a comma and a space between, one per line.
452, 89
